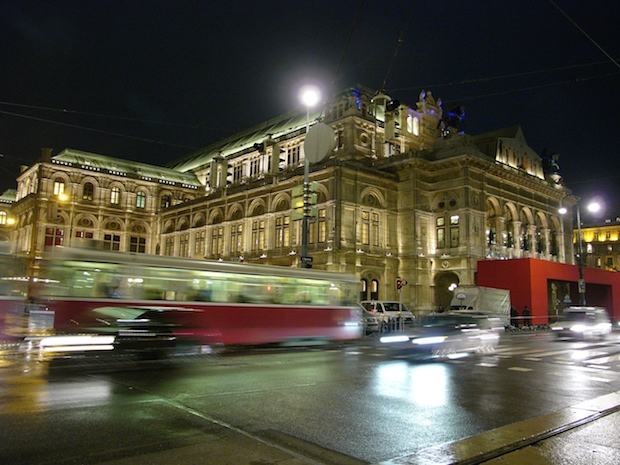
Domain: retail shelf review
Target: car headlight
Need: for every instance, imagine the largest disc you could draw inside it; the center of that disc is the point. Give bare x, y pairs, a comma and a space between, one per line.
429, 340
393, 339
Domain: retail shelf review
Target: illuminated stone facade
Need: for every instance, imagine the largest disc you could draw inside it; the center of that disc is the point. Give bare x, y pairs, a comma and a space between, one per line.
403, 193
601, 244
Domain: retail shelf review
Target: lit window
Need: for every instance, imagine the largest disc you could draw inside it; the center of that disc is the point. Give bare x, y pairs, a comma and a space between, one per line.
88, 191
374, 289
364, 290
217, 241
184, 245
413, 125
258, 235
454, 219
454, 237
59, 186
165, 201
282, 231
441, 238
3, 217
365, 227
169, 246
322, 225
374, 229
199, 244
115, 196
236, 239
140, 200
54, 237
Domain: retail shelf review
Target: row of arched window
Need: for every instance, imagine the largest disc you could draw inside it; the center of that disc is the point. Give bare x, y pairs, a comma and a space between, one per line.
527, 231
87, 194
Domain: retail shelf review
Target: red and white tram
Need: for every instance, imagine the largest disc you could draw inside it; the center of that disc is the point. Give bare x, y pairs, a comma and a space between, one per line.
209, 302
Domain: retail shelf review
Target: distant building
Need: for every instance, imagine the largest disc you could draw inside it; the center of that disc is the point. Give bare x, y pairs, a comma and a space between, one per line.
402, 194
601, 244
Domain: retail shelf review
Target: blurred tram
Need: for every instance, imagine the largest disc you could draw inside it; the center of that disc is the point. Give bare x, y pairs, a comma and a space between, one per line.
203, 301
13, 292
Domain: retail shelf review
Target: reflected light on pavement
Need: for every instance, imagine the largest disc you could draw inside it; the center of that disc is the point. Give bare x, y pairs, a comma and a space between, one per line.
424, 385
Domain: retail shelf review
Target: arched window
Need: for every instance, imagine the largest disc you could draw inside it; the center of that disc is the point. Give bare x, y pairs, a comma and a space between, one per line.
363, 290
165, 201
374, 290
509, 240
140, 199
59, 186
540, 237
553, 241
491, 230
525, 237
115, 196
413, 125
3, 217
88, 191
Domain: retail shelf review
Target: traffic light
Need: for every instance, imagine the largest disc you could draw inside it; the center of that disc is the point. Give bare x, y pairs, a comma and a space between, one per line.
400, 282
297, 201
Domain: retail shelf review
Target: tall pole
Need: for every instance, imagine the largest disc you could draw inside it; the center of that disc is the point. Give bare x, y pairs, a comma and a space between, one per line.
582, 283
306, 214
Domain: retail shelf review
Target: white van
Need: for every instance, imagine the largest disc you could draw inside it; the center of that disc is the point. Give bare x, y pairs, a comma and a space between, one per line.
386, 311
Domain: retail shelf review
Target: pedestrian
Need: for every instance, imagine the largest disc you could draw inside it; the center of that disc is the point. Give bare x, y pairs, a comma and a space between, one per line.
514, 316
526, 316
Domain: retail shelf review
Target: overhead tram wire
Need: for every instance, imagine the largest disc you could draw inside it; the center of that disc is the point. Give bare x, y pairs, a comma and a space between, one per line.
100, 131
495, 78
541, 86
398, 45
100, 115
344, 52
585, 33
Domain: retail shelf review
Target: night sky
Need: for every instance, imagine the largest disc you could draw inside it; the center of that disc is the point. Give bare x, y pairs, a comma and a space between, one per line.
154, 80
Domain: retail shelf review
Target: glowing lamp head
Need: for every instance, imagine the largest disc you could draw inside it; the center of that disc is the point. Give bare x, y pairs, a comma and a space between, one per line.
309, 95
594, 207
562, 211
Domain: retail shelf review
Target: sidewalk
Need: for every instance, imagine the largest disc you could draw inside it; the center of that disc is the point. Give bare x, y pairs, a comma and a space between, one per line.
586, 433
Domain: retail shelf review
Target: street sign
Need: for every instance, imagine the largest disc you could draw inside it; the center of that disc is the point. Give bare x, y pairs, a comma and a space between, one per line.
306, 259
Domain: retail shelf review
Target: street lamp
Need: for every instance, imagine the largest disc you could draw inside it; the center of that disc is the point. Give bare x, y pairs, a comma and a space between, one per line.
592, 207
309, 96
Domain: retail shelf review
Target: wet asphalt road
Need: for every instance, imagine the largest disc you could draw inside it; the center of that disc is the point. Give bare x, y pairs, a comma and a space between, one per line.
352, 401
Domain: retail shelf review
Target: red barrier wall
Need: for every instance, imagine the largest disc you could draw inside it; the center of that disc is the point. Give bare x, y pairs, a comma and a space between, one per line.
526, 279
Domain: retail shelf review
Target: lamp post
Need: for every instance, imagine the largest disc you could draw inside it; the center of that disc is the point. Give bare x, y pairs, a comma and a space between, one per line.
309, 96
592, 207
